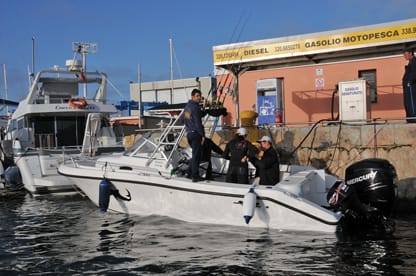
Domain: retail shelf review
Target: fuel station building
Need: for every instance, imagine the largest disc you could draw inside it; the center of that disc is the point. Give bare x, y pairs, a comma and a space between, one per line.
346, 74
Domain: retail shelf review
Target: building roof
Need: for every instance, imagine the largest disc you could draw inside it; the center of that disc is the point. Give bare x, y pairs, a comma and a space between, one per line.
370, 41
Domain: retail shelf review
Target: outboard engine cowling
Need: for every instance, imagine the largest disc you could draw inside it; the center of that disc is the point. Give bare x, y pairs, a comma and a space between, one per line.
374, 182
366, 196
13, 179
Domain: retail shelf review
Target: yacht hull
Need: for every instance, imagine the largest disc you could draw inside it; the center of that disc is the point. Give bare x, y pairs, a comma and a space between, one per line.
39, 175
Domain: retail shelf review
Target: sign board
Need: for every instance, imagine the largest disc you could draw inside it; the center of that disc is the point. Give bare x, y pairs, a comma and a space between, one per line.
319, 83
266, 108
345, 39
354, 100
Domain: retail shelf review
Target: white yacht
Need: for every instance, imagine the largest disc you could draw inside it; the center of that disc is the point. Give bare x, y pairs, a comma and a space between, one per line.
64, 114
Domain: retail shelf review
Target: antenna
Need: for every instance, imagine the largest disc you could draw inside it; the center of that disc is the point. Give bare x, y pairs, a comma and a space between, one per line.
32, 73
171, 69
84, 48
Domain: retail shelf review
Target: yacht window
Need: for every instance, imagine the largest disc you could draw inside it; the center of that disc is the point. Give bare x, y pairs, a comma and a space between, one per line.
13, 125
20, 123
63, 131
70, 131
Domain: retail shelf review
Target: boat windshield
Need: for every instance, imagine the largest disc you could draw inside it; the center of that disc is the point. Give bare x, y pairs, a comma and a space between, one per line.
146, 145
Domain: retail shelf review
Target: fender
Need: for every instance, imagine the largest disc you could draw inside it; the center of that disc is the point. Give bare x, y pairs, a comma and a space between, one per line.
107, 189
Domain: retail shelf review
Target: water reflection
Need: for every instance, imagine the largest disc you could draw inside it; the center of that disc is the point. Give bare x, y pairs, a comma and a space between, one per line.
70, 235
377, 254
115, 235
373, 257
257, 251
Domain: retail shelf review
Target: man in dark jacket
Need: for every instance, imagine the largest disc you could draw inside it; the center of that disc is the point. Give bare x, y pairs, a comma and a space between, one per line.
238, 151
409, 85
195, 132
267, 168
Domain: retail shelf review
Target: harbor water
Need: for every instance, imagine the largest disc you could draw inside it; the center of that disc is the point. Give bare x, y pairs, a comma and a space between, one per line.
69, 236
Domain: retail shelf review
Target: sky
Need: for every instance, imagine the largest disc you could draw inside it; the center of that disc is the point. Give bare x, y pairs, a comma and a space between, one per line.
133, 33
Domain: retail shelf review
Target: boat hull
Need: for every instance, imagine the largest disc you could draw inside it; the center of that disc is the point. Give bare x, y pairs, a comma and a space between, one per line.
39, 174
203, 202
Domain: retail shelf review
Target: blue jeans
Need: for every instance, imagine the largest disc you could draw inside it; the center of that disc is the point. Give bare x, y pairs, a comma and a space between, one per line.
194, 140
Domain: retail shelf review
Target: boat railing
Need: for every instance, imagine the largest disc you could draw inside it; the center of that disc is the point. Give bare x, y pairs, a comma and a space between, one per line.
58, 86
169, 139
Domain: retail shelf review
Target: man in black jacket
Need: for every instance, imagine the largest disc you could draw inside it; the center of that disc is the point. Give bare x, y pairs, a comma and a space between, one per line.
267, 168
409, 85
238, 151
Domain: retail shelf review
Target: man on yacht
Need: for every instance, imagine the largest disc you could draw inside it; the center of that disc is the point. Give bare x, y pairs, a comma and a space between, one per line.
238, 151
267, 168
195, 132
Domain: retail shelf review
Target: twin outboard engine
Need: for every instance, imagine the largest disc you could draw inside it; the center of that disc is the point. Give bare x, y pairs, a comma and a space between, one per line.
367, 195
13, 179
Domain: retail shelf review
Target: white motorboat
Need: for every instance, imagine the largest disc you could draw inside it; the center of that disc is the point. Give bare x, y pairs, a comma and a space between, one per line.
149, 179
55, 121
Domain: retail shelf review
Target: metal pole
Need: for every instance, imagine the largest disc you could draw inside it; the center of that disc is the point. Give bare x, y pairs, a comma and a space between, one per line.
84, 68
33, 59
171, 68
139, 81
5, 88
237, 100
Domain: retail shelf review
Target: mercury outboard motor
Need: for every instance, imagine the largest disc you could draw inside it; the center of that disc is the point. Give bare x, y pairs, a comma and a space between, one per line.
366, 197
13, 179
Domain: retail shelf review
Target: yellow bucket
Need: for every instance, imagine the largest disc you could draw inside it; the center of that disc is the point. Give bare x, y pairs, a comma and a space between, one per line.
248, 118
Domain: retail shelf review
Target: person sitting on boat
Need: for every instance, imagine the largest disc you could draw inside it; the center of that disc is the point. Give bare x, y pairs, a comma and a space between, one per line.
195, 132
238, 151
207, 148
267, 168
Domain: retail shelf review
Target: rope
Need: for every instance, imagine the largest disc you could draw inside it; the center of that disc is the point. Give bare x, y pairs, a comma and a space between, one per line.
115, 88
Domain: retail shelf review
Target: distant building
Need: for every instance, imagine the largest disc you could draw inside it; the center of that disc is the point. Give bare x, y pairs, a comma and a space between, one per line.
170, 92
293, 79
168, 95
6, 108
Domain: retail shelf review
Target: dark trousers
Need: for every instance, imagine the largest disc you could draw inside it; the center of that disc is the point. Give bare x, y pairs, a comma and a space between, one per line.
409, 98
194, 140
208, 174
237, 174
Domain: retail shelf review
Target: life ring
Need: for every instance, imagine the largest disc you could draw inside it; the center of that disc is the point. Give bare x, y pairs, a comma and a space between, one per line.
78, 103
